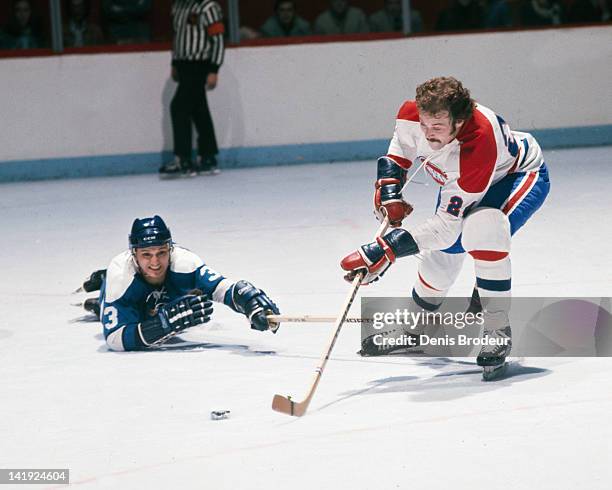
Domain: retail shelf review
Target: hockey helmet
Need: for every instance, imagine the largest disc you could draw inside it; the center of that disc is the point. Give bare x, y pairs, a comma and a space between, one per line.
149, 232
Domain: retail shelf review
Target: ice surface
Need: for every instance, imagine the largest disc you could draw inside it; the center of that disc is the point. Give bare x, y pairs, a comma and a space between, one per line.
142, 420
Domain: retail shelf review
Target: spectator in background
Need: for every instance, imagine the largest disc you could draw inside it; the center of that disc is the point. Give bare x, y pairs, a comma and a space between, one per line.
78, 31
247, 33
588, 11
23, 30
541, 13
127, 20
285, 22
498, 14
462, 15
341, 18
389, 19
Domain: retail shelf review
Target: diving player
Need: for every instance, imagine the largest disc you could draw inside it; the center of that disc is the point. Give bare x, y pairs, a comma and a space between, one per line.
491, 181
155, 290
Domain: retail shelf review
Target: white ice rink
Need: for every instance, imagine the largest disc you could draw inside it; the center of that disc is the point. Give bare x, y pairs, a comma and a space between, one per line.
141, 420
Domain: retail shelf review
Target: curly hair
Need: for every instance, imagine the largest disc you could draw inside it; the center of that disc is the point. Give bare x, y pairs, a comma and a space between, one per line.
445, 94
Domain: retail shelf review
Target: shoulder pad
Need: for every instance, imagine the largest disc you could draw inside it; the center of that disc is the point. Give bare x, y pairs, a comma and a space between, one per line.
119, 276
409, 111
478, 153
184, 261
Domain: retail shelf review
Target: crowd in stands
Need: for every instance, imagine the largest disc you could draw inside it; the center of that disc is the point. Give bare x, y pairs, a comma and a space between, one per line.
460, 15
125, 22
128, 21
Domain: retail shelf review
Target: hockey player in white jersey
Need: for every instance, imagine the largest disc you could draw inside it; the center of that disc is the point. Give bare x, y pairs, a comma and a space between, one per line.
156, 289
491, 181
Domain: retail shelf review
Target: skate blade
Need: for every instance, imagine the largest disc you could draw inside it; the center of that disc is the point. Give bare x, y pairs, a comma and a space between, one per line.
397, 351
209, 172
491, 373
169, 176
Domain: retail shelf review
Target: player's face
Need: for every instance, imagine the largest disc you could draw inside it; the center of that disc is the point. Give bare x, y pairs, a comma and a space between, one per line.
153, 263
438, 128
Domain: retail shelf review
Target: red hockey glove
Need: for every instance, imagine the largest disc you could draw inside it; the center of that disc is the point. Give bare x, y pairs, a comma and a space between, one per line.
375, 258
388, 201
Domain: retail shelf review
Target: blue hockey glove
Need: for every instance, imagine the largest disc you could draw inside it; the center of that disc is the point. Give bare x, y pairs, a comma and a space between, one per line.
255, 305
171, 318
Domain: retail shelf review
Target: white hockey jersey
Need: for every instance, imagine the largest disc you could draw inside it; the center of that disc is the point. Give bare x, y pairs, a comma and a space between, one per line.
484, 152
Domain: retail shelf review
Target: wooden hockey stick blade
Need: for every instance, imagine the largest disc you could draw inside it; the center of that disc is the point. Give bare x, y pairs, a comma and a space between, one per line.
284, 404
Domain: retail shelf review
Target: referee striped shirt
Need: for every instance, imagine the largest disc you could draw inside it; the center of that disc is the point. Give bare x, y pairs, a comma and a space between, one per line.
198, 31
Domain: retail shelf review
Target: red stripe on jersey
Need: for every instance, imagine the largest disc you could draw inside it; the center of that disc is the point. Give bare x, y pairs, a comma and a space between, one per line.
425, 283
409, 111
514, 165
521, 192
488, 255
401, 161
478, 153
216, 28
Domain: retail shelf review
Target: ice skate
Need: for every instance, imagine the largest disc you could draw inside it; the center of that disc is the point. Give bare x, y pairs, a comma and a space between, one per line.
173, 169
492, 357
92, 305
208, 166
92, 283
378, 343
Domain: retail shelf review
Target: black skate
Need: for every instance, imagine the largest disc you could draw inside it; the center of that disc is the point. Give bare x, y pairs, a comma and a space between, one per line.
492, 357
173, 169
93, 282
93, 306
208, 166
189, 169
377, 345
196, 167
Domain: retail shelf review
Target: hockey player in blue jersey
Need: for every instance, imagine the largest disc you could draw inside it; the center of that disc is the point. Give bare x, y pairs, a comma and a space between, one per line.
156, 289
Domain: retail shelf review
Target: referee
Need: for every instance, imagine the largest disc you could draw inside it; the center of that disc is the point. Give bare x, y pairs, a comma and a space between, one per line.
197, 54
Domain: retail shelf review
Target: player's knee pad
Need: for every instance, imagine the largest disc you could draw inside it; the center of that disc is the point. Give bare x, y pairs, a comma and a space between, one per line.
437, 273
486, 232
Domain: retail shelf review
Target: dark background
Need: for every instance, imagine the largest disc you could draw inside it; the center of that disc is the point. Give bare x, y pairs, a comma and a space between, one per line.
252, 13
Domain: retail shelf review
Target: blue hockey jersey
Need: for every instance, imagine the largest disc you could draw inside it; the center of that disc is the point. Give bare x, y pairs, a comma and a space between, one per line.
126, 299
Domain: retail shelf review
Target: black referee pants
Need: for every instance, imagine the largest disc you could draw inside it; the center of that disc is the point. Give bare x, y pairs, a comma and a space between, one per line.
188, 105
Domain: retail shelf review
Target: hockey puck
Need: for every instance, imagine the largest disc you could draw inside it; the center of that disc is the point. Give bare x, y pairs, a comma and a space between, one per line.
219, 414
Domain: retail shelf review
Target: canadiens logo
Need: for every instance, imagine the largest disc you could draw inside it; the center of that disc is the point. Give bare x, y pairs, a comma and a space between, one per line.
436, 173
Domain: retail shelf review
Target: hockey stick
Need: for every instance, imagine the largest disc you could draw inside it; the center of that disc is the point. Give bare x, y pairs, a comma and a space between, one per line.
314, 319
284, 404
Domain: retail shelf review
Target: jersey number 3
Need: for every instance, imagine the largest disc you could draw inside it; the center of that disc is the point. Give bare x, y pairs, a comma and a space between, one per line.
110, 317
